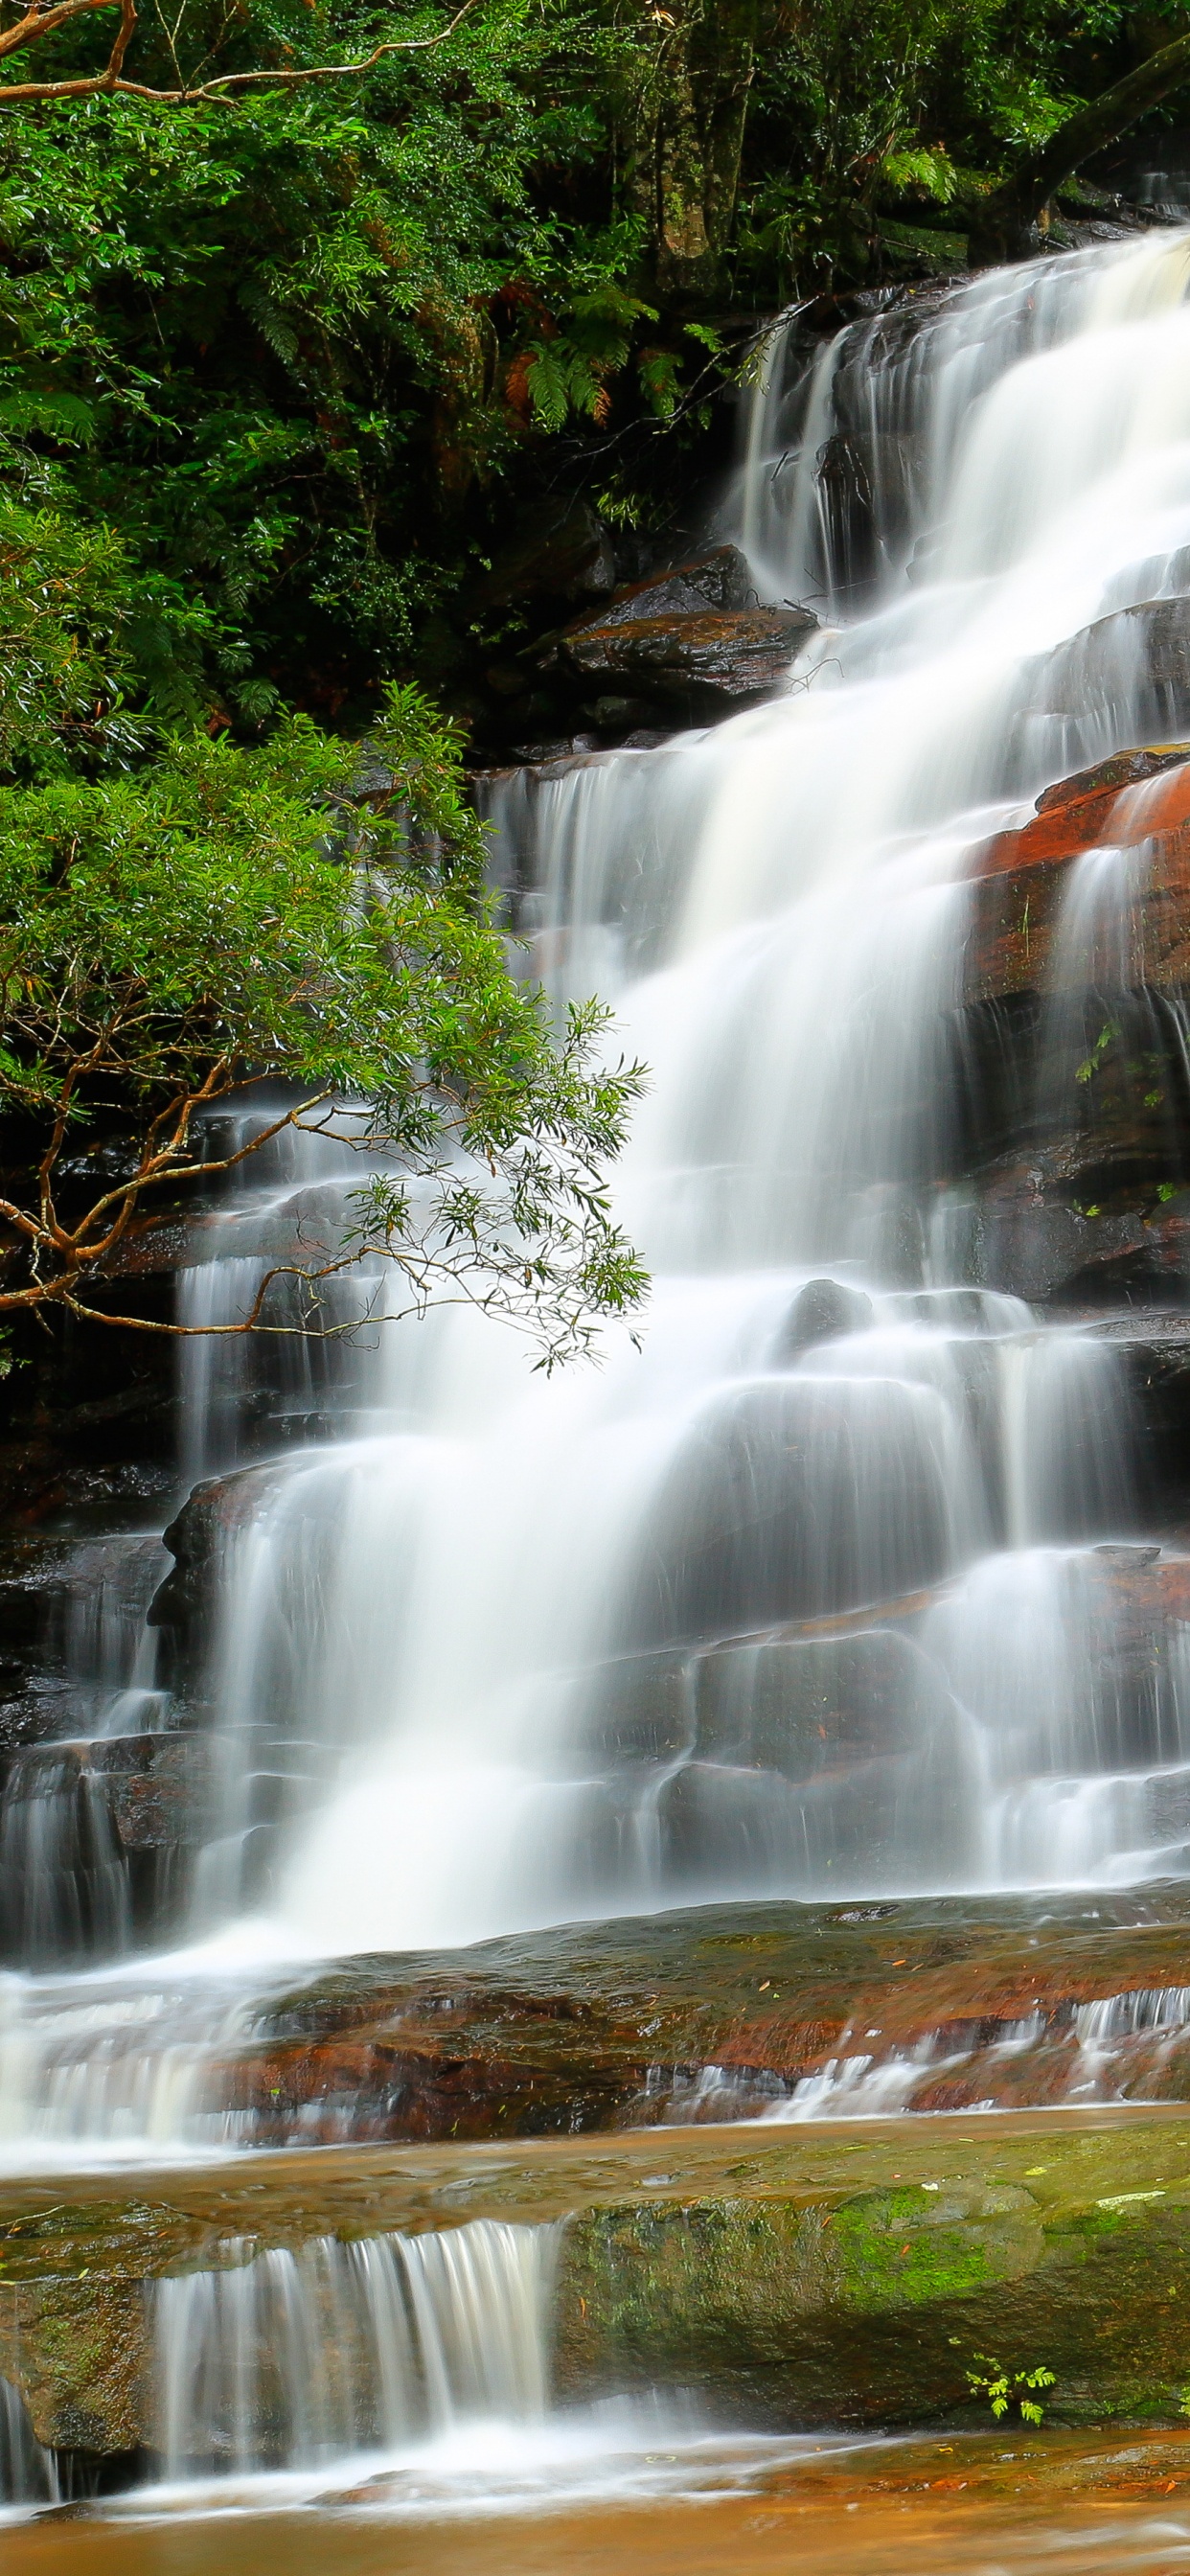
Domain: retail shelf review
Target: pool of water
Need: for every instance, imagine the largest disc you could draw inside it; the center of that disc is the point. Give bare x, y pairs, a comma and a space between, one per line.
630, 2498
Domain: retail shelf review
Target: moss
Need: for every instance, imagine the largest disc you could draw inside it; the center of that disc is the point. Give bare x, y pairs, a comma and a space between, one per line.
905, 2248
78, 2352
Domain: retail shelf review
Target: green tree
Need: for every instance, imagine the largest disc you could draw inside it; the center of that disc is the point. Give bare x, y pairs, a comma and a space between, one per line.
185, 921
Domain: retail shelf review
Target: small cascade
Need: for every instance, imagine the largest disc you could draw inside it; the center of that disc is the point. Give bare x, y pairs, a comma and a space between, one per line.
289, 2360
66, 1882
113, 2067
28, 2472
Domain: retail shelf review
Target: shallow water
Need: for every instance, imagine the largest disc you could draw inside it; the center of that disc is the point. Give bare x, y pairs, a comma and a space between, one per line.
681, 2507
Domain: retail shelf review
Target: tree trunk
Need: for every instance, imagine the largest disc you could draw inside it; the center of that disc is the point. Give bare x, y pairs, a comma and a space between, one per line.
1002, 224
685, 132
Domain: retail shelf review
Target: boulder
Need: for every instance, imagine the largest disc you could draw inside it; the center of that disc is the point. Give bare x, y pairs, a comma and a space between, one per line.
709, 660
722, 580
822, 1311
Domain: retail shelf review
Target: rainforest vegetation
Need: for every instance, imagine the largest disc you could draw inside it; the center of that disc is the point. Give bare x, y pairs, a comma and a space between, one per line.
312, 319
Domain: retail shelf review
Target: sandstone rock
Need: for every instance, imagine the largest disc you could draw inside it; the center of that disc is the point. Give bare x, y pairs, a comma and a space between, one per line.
866, 2310
596, 2026
161, 1791
198, 1539
713, 659
789, 1499
828, 2275
79, 2353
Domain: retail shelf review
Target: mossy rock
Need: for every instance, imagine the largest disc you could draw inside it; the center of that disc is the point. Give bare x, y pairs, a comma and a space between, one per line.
78, 2351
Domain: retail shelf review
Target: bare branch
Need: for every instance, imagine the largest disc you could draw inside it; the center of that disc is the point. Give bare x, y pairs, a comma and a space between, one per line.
222, 88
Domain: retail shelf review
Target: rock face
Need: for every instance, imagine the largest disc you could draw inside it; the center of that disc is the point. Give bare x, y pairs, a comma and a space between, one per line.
1067, 1064
867, 2307
78, 2352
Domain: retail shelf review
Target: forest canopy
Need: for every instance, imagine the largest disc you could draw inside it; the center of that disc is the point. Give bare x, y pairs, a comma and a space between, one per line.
301, 347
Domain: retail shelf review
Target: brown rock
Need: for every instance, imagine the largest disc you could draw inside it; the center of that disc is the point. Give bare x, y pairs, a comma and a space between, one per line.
717, 658
198, 1539
161, 1790
78, 2351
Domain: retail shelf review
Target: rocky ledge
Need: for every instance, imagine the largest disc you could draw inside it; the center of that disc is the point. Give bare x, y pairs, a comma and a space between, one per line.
823, 2276
723, 2013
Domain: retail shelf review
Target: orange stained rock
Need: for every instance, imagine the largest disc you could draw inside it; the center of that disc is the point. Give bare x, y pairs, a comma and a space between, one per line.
1098, 813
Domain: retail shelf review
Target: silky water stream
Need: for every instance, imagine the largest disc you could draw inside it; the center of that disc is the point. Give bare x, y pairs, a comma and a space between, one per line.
810, 1596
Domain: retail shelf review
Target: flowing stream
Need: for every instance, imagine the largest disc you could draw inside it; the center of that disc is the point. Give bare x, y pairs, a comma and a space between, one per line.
807, 1596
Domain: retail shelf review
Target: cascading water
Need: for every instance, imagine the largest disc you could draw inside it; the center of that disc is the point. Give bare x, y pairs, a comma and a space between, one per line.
285, 2360
814, 1594
28, 2474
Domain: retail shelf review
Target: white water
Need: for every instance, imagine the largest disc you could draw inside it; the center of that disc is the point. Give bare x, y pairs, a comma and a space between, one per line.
778, 908
285, 2360
502, 1652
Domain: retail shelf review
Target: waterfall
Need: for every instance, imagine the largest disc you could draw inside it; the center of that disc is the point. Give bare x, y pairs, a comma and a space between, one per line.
28, 2474
820, 1592
286, 2360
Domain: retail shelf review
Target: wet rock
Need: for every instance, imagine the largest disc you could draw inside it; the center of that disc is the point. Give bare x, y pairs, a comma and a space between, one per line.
619, 716
199, 1539
1036, 1244
1101, 668
713, 660
1107, 777
825, 2275
864, 482
78, 2351
867, 2309
71, 1615
821, 1312
790, 1499
93, 1841
708, 2012
162, 1791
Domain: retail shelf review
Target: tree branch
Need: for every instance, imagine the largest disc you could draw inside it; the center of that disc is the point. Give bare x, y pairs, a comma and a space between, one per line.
1000, 225
222, 88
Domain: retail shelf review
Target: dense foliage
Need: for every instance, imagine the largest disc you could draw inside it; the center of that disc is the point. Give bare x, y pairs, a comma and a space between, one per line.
176, 932
300, 307
300, 346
